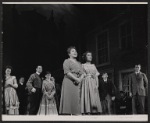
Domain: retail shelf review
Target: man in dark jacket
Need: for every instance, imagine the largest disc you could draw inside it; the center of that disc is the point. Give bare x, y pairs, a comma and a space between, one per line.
107, 94
22, 95
34, 86
139, 88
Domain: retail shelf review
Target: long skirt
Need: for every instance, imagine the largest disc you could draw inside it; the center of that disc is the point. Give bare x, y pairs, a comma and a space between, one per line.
47, 106
11, 101
70, 98
90, 100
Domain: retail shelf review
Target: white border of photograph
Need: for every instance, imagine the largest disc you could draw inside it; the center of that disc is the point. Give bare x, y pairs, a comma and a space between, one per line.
73, 117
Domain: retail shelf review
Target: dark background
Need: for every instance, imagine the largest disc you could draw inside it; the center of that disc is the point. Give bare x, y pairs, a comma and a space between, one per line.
19, 42
40, 34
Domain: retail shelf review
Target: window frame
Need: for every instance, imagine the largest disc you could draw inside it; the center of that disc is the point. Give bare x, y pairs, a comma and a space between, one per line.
130, 70
108, 42
124, 22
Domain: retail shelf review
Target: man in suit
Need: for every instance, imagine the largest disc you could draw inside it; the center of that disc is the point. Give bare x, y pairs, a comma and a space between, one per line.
34, 86
139, 87
107, 94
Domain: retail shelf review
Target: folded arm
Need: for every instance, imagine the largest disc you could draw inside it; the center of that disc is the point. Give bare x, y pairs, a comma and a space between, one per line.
14, 85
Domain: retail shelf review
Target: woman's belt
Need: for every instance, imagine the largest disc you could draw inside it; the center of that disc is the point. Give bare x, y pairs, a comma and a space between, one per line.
8, 86
76, 73
90, 75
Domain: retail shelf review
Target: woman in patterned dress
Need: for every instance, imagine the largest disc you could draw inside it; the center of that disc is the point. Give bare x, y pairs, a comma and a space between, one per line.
11, 98
90, 99
48, 103
70, 93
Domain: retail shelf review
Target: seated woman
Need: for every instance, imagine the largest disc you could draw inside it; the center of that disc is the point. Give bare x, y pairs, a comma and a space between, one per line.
48, 103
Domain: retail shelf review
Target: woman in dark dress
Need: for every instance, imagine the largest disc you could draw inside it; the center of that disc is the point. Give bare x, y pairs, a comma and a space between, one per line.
70, 93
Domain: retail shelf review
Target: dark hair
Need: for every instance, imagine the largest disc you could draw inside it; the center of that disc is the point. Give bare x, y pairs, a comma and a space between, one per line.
70, 48
21, 77
47, 72
84, 58
9, 67
138, 65
38, 66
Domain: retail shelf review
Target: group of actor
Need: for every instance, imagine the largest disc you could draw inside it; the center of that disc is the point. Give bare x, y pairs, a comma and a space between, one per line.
81, 93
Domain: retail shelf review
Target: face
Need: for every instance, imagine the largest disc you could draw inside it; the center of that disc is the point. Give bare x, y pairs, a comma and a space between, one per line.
89, 57
39, 69
8, 71
137, 68
21, 80
73, 53
104, 76
48, 76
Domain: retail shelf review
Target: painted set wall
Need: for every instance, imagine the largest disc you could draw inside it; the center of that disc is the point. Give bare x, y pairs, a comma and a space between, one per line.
122, 60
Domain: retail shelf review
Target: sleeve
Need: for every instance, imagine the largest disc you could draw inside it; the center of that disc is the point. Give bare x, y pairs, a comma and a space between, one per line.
30, 81
113, 89
15, 84
97, 73
101, 89
82, 65
14, 80
66, 67
146, 83
145, 80
130, 82
43, 87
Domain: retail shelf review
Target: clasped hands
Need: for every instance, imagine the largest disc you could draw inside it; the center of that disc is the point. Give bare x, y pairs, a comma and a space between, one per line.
49, 96
78, 80
33, 90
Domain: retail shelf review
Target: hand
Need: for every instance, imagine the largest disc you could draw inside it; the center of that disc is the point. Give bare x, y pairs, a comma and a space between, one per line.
78, 80
84, 74
50, 97
33, 90
113, 98
10, 83
45, 93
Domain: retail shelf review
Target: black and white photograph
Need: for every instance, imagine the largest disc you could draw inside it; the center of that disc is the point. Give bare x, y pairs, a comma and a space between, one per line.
77, 61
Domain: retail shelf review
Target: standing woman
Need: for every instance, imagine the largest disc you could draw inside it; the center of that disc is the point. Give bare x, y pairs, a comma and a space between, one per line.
11, 98
90, 100
70, 93
48, 103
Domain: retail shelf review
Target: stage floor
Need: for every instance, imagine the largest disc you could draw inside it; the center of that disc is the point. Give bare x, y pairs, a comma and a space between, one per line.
76, 118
